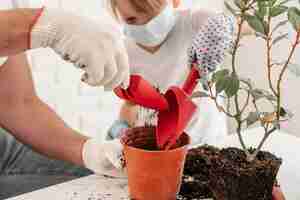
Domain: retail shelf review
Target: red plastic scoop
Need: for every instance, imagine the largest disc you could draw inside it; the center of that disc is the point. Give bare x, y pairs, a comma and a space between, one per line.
142, 93
175, 107
172, 122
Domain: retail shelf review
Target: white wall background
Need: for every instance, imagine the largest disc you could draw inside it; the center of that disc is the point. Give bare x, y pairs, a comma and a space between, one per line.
91, 110
215, 5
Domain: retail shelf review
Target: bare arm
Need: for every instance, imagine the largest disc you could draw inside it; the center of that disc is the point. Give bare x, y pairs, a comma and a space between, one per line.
32, 121
15, 30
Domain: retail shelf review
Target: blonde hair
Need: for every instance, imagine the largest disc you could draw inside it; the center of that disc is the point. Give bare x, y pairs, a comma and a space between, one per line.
146, 6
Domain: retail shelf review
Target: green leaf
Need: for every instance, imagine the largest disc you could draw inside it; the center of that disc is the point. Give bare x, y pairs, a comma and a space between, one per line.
284, 2
224, 82
252, 118
220, 74
276, 124
262, 9
263, 36
279, 38
259, 93
255, 23
294, 17
280, 24
221, 84
290, 114
285, 113
232, 87
282, 112
239, 3
278, 10
260, 14
271, 97
294, 68
247, 81
272, 2
199, 94
232, 10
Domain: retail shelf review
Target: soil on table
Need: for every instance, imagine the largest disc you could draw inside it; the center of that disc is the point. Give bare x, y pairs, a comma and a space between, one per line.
225, 174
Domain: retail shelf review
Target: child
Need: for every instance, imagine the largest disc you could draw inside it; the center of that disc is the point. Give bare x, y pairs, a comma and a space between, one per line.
157, 39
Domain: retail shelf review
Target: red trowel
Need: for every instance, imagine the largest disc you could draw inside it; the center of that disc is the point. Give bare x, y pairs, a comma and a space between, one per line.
208, 50
173, 121
175, 107
141, 92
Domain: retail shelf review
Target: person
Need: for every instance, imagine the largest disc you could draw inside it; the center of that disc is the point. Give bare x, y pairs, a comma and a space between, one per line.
68, 35
157, 40
36, 147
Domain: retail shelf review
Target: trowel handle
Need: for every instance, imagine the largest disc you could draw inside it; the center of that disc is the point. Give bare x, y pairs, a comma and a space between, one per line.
191, 81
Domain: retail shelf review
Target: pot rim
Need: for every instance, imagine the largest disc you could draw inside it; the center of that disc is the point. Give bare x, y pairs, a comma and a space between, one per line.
160, 151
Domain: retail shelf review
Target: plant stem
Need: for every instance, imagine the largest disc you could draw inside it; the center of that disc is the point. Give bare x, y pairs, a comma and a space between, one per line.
267, 134
214, 98
239, 132
236, 96
269, 64
248, 97
276, 93
234, 52
282, 73
236, 44
257, 150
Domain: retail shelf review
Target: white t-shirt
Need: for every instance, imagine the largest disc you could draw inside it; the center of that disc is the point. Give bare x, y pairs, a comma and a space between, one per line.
3, 60
168, 66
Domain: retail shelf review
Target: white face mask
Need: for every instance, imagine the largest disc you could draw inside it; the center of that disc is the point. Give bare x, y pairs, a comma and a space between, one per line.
154, 32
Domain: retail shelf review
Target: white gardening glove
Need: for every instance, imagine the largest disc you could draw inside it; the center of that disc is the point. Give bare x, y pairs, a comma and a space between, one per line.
97, 48
2, 60
104, 158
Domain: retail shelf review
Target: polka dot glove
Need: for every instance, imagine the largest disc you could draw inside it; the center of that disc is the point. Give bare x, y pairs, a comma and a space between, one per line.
211, 43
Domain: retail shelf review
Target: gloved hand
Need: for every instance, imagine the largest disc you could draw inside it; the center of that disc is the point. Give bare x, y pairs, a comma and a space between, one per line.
210, 45
116, 129
2, 60
104, 158
96, 48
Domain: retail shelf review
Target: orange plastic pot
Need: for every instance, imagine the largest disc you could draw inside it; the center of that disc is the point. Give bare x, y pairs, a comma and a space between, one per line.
153, 174
277, 193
